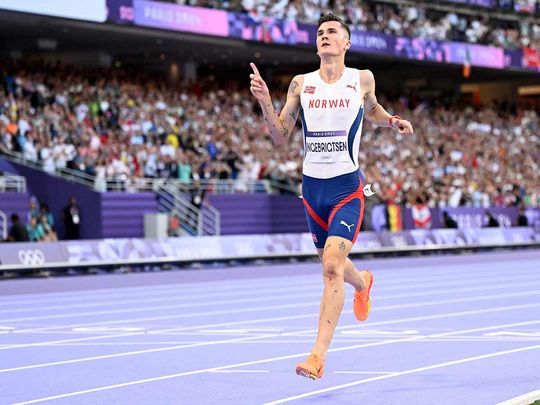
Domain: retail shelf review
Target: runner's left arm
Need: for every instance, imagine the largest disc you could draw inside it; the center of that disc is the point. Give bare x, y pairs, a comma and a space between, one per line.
375, 113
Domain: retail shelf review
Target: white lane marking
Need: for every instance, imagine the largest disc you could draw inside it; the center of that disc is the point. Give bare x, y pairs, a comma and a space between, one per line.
162, 349
524, 399
249, 363
365, 372
428, 303
375, 332
109, 329
238, 331
168, 317
512, 333
156, 308
413, 275
143, 290
124, 354
317, 287
277, 340
178, 296
239, 371
406, 372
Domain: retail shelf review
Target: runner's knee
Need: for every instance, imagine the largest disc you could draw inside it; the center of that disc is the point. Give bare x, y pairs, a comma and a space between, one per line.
332, 268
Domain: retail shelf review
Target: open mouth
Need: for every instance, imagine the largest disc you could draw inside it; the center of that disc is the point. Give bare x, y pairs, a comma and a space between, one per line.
324, 45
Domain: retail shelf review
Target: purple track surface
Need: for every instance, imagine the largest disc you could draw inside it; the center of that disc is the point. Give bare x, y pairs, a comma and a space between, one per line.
443, 330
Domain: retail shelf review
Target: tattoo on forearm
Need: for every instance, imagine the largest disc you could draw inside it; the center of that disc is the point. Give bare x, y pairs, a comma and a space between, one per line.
292, 87
293, 116
342, 246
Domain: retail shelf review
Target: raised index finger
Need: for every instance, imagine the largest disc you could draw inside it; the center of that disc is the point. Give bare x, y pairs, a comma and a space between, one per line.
255, 70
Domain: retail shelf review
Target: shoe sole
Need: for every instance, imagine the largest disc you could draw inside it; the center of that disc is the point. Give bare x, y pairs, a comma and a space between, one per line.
302, 372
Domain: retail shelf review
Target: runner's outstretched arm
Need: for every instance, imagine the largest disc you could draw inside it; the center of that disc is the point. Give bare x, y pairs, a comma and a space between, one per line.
280, 126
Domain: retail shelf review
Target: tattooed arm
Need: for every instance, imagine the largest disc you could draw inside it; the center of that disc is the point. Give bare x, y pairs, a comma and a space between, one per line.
280, 126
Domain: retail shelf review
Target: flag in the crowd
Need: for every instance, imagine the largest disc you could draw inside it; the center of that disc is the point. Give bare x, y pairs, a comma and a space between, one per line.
421, 216
394, 217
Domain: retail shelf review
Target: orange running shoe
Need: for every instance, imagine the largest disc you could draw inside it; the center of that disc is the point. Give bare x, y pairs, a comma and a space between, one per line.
312, 368
362, 303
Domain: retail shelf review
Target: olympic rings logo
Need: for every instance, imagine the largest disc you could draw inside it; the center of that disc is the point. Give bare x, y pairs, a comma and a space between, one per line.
31, 257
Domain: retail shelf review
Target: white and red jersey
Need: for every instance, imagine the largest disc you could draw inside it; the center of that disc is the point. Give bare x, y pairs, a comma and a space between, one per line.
332, 116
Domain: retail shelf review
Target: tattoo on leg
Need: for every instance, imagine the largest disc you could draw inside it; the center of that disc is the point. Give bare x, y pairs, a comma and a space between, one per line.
342, 246
329, 323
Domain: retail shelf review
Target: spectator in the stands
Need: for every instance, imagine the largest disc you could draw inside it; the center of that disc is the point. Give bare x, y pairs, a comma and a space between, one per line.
460, 154
448, 221
17, 231
46, 230
522, 219
72, 219
44, 211
492, 221
35, 232
33, 212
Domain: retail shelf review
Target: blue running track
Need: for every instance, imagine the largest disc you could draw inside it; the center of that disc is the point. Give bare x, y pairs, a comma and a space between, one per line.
443, 330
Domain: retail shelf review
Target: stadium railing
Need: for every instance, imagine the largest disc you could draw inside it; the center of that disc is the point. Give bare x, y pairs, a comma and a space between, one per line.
12, 183
205, 220
142, 184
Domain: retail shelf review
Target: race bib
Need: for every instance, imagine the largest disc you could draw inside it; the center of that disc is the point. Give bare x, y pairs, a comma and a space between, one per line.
327, 147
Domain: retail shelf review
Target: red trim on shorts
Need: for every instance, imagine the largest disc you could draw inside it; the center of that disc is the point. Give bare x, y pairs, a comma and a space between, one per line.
360, 219
314, 215
359, 193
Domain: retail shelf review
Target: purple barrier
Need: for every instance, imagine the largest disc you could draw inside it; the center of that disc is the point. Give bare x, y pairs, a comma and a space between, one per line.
140, 251
14, 203
474, 218
123, 213
259, 213
56, 192
102, 215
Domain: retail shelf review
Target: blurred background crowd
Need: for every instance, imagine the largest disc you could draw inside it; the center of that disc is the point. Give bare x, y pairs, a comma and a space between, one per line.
122, 126
418, 19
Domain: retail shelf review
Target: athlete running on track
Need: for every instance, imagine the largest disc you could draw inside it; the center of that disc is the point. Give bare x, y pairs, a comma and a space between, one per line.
332, 103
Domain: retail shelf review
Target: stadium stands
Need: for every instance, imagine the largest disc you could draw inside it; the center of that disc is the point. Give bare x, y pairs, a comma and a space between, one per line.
113, 127
476, 22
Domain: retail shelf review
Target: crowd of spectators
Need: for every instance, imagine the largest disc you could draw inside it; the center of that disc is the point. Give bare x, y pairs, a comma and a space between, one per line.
125, 127
40, 225
418, 20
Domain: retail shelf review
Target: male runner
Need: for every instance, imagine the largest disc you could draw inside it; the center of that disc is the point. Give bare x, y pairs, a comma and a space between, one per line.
332, 102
